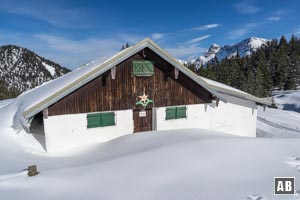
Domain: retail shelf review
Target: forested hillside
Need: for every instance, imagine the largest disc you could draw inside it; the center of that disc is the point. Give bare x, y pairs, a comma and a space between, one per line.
22, 69
275, 65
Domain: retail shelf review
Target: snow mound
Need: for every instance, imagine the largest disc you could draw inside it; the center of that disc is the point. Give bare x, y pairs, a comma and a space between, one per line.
181, 164
287, 100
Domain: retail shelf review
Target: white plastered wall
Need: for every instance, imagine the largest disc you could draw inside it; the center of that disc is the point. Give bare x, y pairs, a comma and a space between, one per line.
63, 132
237, 117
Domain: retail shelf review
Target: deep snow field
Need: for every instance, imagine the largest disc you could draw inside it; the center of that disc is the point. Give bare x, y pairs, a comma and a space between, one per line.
179, 164
182, 164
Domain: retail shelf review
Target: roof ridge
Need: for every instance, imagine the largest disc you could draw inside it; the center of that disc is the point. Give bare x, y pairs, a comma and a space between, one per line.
97, 70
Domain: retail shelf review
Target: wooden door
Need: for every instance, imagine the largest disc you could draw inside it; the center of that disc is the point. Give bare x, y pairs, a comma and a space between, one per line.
142, 121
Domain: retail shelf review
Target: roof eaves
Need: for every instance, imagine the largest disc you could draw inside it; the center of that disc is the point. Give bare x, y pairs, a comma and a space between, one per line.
84, 79
183, 69
109, 64
240, 95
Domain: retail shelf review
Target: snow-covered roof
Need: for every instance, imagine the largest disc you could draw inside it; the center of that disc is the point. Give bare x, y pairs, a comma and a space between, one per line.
228, 90
45, 95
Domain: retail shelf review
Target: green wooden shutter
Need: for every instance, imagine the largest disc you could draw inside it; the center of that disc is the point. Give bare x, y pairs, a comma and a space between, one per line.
180, 112
176, 112
148, 68
108, 119
171, 113
142, 68
100, 119
137, 68
93, 120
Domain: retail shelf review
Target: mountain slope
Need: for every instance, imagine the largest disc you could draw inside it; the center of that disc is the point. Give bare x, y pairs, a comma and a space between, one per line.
243, 48
22, 69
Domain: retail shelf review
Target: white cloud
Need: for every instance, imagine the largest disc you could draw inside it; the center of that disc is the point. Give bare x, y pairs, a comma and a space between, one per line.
198, 39
252, 25
184, 51
73, 53
206, 27
282, 12
237, 33
245, 7
157, 36
56, 14
273, 18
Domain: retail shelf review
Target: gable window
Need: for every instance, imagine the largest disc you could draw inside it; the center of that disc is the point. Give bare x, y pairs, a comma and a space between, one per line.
101, 119
143, 68
175, 112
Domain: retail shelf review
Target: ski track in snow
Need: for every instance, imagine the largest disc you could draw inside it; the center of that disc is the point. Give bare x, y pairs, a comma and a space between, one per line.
294, 162
5, 102
6, 177
277, 125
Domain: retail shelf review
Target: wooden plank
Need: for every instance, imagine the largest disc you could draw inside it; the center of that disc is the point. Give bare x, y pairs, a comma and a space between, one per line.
142, 123
121, 93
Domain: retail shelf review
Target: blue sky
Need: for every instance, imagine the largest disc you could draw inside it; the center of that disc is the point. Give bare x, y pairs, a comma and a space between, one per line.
75, 32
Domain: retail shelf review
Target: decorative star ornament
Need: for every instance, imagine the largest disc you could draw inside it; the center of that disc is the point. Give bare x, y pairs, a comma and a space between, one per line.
143, 98
144, 101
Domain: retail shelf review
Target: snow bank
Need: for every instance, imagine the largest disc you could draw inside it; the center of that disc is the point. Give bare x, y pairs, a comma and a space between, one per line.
287, 100
278, 123
5, 102
182, 164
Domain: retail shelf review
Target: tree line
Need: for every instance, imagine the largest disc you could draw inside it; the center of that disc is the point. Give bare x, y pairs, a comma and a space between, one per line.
275, 65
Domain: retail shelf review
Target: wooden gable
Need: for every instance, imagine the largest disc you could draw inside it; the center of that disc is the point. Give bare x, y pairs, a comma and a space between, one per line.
118, 89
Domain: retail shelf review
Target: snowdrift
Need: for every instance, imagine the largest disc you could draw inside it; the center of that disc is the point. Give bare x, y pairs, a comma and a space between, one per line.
182, 164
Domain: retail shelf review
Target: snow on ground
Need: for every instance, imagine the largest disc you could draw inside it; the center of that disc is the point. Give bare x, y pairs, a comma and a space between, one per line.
50, 68
287, 100
5, 102
284, 122
183, 164
278, 123
179, 164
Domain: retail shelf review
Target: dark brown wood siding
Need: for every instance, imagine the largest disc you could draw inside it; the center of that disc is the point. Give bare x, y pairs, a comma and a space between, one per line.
142, 123
106, 94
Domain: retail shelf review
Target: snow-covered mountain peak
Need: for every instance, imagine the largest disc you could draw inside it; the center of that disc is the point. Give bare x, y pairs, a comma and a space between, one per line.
256, 42
214, 48
22, 69
243, 48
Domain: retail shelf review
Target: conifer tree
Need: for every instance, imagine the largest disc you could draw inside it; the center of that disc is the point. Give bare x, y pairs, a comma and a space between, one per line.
281, 71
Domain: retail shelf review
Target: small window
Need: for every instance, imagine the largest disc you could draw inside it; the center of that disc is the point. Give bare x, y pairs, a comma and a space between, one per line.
175, 112
143, 68
100, 119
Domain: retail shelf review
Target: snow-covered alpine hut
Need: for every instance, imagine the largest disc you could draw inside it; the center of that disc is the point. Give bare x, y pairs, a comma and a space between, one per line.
142, 88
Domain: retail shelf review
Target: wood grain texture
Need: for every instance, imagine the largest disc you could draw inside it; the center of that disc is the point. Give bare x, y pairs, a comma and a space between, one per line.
142, 123
107, 94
